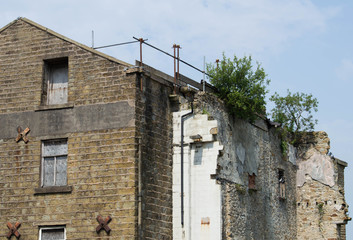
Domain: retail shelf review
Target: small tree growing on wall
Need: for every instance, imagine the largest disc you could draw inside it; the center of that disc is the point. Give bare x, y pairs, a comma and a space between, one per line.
241, 87
294, 111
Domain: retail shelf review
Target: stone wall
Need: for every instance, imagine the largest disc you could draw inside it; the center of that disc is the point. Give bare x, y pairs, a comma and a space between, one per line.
23, 49
120, 155
248, 211
321, 206
102, 179
98, 122
154, 126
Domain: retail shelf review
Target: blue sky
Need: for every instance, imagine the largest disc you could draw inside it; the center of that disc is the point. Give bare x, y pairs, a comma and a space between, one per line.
303, 45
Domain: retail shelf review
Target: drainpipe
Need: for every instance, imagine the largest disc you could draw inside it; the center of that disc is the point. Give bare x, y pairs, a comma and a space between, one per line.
182, 162
139, 218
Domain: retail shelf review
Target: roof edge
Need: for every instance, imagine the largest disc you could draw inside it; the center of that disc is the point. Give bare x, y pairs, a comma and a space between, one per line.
66, 39
9, 24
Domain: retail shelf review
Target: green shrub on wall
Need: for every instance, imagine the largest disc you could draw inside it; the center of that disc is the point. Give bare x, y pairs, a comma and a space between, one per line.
241, 87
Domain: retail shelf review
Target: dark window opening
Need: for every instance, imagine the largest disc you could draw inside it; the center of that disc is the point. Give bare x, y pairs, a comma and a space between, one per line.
282, 186
252, 182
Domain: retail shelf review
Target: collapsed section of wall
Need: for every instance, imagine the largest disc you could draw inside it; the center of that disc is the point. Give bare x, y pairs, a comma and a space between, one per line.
241, 178
321, 206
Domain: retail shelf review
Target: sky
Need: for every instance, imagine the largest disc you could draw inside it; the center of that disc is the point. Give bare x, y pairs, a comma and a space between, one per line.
303, 45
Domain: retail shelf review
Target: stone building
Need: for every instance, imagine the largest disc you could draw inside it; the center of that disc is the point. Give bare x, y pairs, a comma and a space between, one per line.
321, 207
74, 126
240, 185
95, 148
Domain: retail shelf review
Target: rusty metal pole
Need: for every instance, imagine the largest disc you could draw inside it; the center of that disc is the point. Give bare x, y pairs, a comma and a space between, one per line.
174, 46
204, 76
141, 41
178, 47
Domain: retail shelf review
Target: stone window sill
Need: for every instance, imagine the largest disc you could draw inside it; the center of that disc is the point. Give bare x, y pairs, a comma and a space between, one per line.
54, 107
53, 189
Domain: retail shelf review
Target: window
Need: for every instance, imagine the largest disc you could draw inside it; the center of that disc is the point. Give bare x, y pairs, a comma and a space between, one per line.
54, 163
55, 82
52, 233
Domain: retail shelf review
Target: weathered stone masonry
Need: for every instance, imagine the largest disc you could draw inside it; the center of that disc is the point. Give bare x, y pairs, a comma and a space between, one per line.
239, 149
109, 125
321, 206
249, 166
122, 147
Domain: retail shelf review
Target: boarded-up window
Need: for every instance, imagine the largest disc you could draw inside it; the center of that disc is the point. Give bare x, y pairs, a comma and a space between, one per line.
55, 85
54, 163
52, 233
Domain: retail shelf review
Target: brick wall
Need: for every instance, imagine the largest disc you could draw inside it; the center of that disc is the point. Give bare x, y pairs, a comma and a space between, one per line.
101, 164
92, 78
154, 124
102, 179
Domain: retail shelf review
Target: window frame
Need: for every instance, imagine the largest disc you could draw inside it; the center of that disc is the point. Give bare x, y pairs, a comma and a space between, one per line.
51, 228
55, 160
49, 65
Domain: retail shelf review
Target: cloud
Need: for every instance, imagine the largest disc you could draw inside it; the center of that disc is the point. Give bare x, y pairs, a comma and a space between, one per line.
201, 27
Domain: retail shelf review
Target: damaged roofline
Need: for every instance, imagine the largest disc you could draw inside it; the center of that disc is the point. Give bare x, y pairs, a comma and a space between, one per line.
342, 163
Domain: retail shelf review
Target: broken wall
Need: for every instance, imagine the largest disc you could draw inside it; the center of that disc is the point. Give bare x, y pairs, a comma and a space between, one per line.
202, 194
321, 206
247, 210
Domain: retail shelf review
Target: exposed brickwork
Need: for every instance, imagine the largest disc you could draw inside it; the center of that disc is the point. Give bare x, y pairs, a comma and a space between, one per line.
251, 149
154, 121
321, 208
340, 176
314, 140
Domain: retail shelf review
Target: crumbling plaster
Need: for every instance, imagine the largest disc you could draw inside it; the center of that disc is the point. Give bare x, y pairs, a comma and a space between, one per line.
202, 195
318, 166
250, 148
311, 177
321, 206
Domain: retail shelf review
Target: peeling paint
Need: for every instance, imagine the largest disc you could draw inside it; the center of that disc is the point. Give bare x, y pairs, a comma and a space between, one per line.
319, 167
241, 153
292, 154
